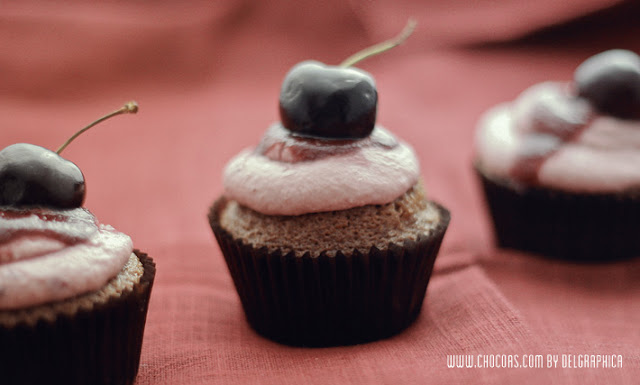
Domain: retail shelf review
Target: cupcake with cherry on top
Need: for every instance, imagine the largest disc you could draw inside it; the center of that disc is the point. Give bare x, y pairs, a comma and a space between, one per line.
559, 165
324, 225
73, 292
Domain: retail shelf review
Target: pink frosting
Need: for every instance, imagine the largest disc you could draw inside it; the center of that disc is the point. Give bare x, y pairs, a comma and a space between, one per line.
551, 138
49, 255
289, 175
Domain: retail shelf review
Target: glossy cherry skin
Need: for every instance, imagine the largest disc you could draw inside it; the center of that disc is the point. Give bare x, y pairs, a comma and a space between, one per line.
611, 82
330, 102
31, 175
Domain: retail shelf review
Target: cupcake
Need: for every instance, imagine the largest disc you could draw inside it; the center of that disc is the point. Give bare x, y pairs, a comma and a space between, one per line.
324, 225
73, 291
559, 165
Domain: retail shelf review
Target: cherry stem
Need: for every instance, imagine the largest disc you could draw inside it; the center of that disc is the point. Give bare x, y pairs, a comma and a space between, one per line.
381, 47
129, 108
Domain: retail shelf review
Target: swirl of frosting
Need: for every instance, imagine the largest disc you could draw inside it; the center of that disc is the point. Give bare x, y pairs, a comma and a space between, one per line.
48, 255
291, 175
552, 138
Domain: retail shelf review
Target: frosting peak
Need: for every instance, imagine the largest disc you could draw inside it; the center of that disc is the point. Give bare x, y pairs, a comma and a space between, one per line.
550, 108
289, 175
49, 255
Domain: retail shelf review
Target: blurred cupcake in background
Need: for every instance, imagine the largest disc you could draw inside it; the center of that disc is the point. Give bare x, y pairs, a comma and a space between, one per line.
560, 165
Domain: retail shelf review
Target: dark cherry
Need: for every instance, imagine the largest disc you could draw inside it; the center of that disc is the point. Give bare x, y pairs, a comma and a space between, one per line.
332, 102
31, 175
611, 82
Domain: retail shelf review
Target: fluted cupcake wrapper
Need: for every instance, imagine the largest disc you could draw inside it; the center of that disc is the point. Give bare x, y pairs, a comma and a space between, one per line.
581, 227
97, 346
348, 298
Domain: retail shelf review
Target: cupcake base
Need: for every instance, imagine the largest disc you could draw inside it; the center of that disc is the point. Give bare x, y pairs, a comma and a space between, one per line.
97, 346
584, 227
347, 298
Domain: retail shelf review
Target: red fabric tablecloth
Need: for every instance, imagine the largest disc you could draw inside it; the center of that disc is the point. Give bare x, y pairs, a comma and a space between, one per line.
207, 77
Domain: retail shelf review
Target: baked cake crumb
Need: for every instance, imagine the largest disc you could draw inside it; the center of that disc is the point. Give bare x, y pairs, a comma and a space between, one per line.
130, 275
406, 218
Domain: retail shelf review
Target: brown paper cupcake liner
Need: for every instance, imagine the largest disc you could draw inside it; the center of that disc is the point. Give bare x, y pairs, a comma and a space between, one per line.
97, 346
572, 226
349, 298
